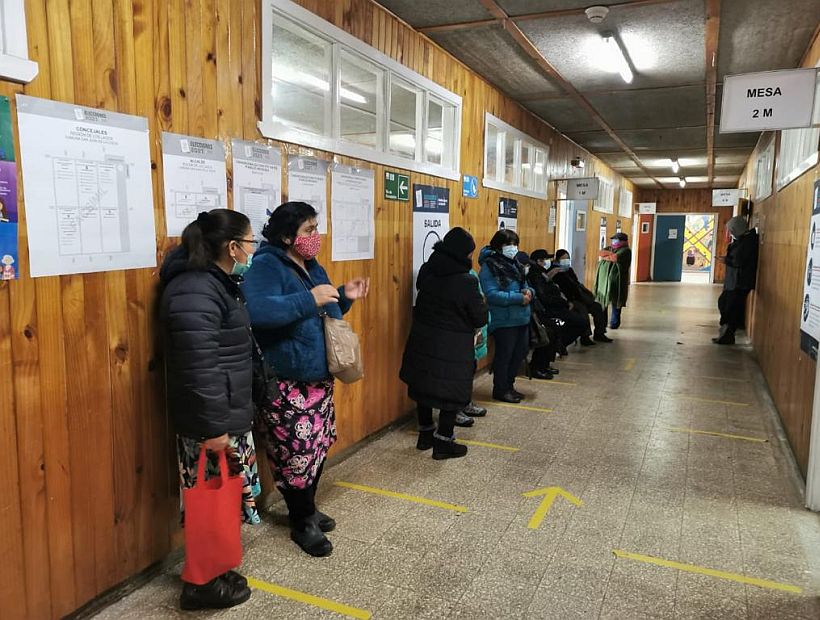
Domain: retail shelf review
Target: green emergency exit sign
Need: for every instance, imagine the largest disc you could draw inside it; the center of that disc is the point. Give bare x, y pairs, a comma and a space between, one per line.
396, 186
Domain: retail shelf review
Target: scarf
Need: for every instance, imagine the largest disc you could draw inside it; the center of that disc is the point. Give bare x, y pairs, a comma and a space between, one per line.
505, 270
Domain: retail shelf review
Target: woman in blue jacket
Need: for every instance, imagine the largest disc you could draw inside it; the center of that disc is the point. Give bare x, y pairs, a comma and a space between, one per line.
287, 292
504, 285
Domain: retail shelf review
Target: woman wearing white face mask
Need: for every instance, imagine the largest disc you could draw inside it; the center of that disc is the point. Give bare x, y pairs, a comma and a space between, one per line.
508, 296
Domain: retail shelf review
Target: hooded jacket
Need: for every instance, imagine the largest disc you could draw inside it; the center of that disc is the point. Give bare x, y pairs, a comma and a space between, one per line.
741, 262
505, 303
208, 350
285, 319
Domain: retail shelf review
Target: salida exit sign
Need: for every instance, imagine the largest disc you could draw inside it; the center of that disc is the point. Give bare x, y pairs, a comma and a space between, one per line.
768, 101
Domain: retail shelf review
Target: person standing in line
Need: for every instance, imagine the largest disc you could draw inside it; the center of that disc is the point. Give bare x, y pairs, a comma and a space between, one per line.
473, 410
508, 296
438, 365
741, 277
209, 369
288, 292
612, 279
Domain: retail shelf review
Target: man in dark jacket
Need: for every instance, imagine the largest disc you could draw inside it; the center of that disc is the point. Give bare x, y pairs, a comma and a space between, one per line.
741, 276
438, 362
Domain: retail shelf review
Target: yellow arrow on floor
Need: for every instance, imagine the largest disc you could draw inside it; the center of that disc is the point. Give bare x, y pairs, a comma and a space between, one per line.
549, 493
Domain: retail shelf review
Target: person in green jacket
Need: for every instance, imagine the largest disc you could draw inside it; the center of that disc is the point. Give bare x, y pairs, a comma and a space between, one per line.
464, 418
612, 279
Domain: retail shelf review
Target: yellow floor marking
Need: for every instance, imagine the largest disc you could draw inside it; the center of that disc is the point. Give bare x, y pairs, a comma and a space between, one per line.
484, 444
708, 400
552, 381
565, 363
729, 379
404, 496
549, 494
511, 406
727, 435
309, 599
710, 572
630, 363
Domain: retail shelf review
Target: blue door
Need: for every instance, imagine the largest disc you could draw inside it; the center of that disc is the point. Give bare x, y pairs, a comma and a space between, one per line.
577, 213
669, 237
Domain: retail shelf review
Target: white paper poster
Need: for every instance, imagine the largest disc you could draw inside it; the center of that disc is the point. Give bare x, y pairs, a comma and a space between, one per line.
508, 214
603, 237
673, 233
625, 203
810, 315
195, 179
257, 181
431, 221
553, 216
352, 212
307, 182
87, 187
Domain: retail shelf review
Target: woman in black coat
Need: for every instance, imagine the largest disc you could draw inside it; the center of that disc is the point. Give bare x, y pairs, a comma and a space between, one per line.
438, 362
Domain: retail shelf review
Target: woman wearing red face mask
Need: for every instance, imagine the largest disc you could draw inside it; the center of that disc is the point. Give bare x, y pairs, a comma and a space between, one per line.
287, 292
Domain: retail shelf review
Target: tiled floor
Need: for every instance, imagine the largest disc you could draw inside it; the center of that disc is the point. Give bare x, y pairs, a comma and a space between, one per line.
618, 437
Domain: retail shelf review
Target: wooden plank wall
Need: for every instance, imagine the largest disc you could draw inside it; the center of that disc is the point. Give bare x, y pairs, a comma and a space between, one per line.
89, 488
783, 221
692, 201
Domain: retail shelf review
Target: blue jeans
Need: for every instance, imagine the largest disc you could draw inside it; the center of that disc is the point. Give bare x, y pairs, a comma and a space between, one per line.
615, 317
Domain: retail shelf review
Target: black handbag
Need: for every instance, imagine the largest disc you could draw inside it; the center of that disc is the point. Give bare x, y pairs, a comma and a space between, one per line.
539, 335
265, 386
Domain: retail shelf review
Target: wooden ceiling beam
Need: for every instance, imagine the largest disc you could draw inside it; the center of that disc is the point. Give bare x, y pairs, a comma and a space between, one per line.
712, 40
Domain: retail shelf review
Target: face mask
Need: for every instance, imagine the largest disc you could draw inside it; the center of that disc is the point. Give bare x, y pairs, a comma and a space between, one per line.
240, 269
510, 251
546, 264
616, 243
308, 247
565, 262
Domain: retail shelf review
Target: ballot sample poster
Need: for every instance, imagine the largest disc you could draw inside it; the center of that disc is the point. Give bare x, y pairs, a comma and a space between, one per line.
193, 170
431, 221
508, 214
307, 182
9, 257
257, 181
352, 213
810, 314
87, 187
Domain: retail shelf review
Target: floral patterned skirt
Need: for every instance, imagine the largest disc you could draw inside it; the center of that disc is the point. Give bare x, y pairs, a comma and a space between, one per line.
241, 460
298, 429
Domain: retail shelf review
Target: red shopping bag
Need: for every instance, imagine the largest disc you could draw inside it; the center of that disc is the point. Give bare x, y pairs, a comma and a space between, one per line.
212, 523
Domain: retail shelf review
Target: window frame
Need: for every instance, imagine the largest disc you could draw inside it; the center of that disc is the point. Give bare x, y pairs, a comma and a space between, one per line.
15, 64
343, 42
624, 205
767, 154
805, 164
504, 131
606, 188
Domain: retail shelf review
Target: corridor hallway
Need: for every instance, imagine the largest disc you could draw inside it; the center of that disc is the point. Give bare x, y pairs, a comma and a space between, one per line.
686, 497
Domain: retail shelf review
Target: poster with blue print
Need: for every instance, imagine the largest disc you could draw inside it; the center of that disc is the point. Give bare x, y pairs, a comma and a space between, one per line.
469, 186
810, 313
431, 221
9, 257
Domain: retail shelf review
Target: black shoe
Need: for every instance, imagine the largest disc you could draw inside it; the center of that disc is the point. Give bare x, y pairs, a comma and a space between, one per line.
447, 449
310, 538
474, 411
219, 593
586, 341
235, 579
554, 371
602, 338
518, 394
543, 375
563, 351
508, 397
325, 523
725, 339
425, 441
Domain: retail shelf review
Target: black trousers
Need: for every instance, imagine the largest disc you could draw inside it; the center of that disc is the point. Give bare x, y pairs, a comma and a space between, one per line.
302, 502
542, 358
597, 313
575, 325
446, 420
511, 347
732, 306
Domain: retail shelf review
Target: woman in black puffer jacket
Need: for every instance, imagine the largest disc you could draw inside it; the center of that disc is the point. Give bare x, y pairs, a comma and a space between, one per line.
438, 362
209, 368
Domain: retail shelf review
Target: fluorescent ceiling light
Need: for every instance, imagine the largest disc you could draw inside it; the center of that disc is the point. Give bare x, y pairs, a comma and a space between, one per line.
300, 77
675, 166
682, 182
616, 55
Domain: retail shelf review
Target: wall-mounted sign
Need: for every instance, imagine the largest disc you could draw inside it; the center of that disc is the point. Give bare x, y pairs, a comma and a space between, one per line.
396, 186
508, 214
602, 234
647, 208
618, 227
553, 216
644, 228
810, 315
726, 197
431, 221
582, 189
673, 233
469, 186
768, 100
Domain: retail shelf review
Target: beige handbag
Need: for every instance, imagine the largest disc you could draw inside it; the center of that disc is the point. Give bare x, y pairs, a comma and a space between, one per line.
344, 354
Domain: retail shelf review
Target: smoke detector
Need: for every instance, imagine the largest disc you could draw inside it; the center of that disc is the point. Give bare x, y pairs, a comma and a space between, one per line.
597, 14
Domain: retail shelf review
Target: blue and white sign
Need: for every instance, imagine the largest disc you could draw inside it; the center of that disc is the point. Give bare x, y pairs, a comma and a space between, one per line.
431, 221
469, 186
810, 315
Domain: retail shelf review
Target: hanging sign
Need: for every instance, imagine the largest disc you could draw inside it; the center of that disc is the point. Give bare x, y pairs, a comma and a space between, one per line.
508, 214
647, 208
431, 221
769, 100
469, 187
726, 197
810, 315
582, 189
396, 186
602, 235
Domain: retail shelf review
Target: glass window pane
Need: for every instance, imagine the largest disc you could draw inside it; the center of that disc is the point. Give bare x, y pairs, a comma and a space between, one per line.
540, 171
359, 100
403, 128
301, 78
491, 150
509, 159
527, 166
434, 140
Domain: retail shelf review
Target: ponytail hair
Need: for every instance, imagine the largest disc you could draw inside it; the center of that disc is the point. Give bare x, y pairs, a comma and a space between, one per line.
206, 237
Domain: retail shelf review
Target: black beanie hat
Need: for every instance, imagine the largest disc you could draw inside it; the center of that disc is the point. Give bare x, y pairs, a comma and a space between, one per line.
458, 242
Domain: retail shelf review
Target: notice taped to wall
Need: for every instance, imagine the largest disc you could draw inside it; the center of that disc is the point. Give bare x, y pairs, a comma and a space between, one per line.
508, 214
257, 181
810, 313
307, 182
431, 221
352, 196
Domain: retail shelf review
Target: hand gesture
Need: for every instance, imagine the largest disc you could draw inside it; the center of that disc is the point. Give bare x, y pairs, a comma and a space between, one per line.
324, 294
217, 444
527, 297
357, 288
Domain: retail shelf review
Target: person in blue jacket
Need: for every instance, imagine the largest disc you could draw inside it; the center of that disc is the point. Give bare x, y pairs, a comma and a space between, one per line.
287, 293
508, 296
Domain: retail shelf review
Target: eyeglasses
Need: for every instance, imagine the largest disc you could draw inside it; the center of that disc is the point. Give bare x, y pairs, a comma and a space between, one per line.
251, 241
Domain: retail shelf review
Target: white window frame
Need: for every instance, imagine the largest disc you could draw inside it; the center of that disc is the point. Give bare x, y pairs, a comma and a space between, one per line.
625, 204
605, 203
807, 138
341, 40
14, 61
764, 178
505, 132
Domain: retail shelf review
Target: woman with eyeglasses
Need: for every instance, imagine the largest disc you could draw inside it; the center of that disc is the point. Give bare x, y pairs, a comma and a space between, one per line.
288, 292
209, 369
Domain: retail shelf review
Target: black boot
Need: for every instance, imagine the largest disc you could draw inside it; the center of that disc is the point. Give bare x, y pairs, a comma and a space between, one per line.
219, 593
543, 375
602, 338
310, 538
325, 523
235, 579
447, 448
586, 341
507, 397
425, 441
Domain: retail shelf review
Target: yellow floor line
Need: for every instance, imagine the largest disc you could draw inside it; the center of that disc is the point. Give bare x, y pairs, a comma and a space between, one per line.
551, 381
511, 406
309, 599
403, 496
565, 363
725, 379
709, 400
484, 444
726, 435
710, 572
630, 364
